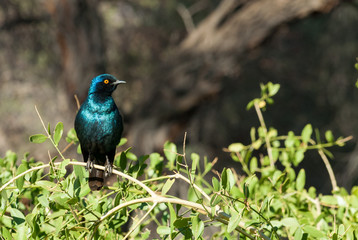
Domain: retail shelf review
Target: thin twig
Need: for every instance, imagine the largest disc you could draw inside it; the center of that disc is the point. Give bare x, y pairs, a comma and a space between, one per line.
150, 191
178, 175
77, 102
329, 169
186, 16
154, 197
140, 220
67, 147
267, 139
48, 134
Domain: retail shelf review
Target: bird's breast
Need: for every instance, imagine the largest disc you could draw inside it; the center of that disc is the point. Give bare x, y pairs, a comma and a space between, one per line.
99, 126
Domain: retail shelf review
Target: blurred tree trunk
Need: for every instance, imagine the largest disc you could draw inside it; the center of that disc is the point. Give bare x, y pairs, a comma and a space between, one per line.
210, 53
80, 39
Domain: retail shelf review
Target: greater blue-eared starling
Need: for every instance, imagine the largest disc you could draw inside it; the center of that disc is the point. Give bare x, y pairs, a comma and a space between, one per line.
99, 128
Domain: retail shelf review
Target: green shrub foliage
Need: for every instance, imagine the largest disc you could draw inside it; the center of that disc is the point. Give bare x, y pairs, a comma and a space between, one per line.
264, 197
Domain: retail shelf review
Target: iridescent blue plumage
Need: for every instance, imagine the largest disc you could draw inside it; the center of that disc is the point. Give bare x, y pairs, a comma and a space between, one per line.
99, 128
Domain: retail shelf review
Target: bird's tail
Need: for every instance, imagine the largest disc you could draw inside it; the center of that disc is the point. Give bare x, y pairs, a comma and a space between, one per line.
96, 179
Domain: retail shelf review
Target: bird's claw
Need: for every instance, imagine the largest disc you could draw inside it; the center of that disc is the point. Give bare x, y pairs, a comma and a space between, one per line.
107, 169
89, 166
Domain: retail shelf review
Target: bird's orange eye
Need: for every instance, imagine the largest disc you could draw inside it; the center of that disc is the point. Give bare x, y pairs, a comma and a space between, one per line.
106, 81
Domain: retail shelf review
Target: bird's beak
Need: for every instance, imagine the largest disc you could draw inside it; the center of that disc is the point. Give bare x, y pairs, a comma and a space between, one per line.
118, 82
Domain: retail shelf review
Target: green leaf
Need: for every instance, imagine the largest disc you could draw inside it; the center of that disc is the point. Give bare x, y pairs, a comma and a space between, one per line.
62, 167
329, 200
58, 133
236, 147
163, 230
290, 141
21, 232
290, 222
51, 186
173, 216
43, 200
356, 66
79, 172
298, 234
79, 151
170, 151
122, 142
131, 156
71, 136
60, 198
5, 233
313, 232
335, 236
182, 222
299, 156
167, 185
230, 179
37, 138
257, 144
197, 226
250, 104
301, 180
341, 229
253, 134
20, 181
123, 161
234, 221
195, 161
33, 178
216, 184
17, 216
224, 178
215, 200
192, 196
84, 191
246, 190
273, 88
329, 136
306, 133
49, 128
253, 165
269, 100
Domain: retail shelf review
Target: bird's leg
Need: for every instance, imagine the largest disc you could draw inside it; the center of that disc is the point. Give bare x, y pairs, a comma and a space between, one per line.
89, 165
107, 168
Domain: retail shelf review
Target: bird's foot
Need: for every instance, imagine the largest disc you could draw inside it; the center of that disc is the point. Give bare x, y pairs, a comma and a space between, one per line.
89, 166
108, 168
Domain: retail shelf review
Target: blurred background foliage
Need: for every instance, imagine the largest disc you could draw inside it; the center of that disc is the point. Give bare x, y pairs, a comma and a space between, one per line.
189, 65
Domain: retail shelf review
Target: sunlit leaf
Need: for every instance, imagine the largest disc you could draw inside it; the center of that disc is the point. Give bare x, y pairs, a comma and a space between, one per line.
273, 88
168, 184
17, 216
234, 221
236, 147
313, 232
329, 136
58, 133
290, 222
197, 226
163, 230
170, 151
38, 138
301, 180
306, 133
20, 181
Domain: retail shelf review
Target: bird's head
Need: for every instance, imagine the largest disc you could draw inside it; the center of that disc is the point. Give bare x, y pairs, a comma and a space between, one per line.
104, 83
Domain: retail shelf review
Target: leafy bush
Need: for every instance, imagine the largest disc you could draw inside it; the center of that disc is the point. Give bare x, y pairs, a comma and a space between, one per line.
268, 201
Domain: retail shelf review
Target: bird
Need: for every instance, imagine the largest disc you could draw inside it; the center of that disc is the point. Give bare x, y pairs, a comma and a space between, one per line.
99, 127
